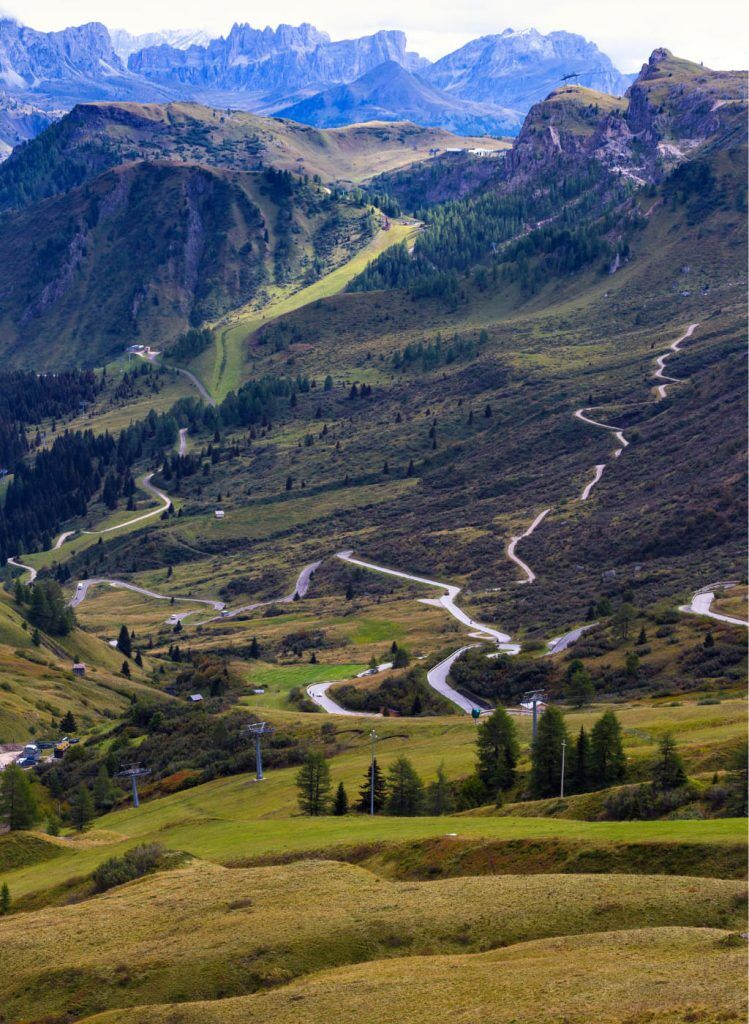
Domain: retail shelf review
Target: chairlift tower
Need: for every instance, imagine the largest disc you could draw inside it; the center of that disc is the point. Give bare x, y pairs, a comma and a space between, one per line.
133, 772
258, 730
534, 698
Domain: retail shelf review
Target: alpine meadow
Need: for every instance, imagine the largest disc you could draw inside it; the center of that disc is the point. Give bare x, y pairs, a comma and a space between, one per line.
373, 478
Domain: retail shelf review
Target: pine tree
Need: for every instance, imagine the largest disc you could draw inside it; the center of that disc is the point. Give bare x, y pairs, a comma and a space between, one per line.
340, 804
579, 689
81, 808
124, 643
401, 658
498, 750
366, 790
668, 770
68, 723
18, 805
440, 799
4, 900
709, 641
254, 648
104, 795
125, 668
608, 765
138, 659
313, 784
546, 753
405, 790
581, 765
642, 638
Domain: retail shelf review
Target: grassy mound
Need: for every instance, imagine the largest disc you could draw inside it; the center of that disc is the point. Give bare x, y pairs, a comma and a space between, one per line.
206, 932
22, 849
664, 975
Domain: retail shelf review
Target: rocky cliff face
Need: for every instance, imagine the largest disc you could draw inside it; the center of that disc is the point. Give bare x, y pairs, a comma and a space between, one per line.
517, 69
673, 108
54, 69
271, 64
391, 93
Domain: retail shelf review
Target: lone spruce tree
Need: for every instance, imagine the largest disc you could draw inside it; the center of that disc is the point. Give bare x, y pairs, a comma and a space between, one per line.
340, 804
608, 765
18, 805
365, 792
313, 784
405, 790
546, 753
497, 747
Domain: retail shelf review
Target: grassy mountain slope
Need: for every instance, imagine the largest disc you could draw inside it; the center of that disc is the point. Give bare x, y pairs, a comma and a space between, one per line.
97, 136
147, 249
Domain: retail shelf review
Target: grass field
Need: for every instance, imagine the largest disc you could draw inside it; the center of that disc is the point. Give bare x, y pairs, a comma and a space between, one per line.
225, 932
223, 368
643, 976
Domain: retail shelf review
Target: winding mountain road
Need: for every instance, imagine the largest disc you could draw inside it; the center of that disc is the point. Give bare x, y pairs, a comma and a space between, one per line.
318, 694
702, 599
447, 601
151, 489
661, 362
203, 391
83, 587
33, 573
514, 541
617, 431
589, 486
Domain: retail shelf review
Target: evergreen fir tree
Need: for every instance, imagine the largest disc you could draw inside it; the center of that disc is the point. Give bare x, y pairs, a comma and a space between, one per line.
124, 643
4, 899
81, 808
18, 804
498, 750
68, 722
439, 797
366, 790
405, 790
313, 784
608, 764
340, 804
668, 770
546, 753
581, 767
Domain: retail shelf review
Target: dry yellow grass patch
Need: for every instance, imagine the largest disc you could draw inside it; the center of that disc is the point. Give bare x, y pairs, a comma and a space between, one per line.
663, 975
206, 932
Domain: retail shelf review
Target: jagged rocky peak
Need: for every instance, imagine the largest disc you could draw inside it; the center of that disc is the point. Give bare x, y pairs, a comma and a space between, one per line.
26, 55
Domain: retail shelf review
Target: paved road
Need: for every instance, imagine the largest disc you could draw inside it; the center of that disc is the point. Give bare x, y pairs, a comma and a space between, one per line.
146, 484
514, 541
661, 361
198, 384
561, 643
33, 573
589, 486
701, 601
83, 587
318, 694
447, 601
182, 443
438, 676
301, 587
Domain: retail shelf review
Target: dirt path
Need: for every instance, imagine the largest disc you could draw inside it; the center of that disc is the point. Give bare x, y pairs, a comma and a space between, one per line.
514, 541
33, 573
182, 443
661, 362
203, 391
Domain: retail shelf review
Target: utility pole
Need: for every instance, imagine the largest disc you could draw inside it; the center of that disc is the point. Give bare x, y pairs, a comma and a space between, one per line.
373, 737
258, 730
534, 697
561, 789
133, 772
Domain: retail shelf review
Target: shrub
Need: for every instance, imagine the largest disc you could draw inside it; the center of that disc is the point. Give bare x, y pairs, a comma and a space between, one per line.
139, 861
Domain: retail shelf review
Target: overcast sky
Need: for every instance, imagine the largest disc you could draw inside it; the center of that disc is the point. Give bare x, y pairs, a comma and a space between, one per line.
714, 32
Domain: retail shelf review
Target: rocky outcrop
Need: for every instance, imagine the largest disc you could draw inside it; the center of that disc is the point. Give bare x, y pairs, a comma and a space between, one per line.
518, 69
270, 65
391, 93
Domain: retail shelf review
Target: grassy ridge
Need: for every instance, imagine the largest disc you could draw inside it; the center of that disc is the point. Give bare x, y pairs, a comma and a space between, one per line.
226, 932
646, 976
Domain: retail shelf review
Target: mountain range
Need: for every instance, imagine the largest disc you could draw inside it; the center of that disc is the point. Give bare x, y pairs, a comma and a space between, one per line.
486, 86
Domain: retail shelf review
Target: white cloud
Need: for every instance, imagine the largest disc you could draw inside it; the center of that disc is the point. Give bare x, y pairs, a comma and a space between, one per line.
713, 32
